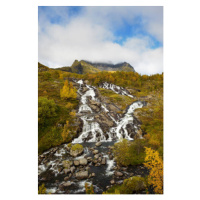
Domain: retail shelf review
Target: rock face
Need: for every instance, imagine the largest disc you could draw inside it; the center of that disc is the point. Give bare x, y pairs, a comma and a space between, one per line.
82, 175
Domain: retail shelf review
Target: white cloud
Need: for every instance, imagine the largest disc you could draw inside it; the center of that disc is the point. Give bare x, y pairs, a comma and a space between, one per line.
89, 39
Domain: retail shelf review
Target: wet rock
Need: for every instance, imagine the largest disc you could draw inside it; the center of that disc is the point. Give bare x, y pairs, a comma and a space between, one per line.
118, 173
83, 161
99, 160
89, 159
67, 163
76, 162
66, 178
98, 144
112, 181
72, 169
96, 156
68, 183
66, 171
103, 162
87, 168
95, 152
93, 174
95, 161
97, 165
76, 150
82, 175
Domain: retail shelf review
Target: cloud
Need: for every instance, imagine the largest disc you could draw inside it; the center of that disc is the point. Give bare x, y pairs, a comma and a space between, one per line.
90, 35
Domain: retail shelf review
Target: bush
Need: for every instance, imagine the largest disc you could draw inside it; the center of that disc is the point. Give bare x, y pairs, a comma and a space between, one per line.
132, 185
42, 189
77, 147
129, 153
46, 111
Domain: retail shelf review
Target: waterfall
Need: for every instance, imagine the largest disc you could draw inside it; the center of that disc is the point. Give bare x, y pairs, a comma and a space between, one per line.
91, 131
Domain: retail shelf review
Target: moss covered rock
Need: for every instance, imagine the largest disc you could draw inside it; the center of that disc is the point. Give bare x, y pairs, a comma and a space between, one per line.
76, 150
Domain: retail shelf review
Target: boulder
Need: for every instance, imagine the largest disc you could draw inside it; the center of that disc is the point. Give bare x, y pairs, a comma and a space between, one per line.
76, 162
67, 163
82, 175
103, 162
89, 159
83, 161
76, 150
98, 144
66, 184
95, 152
112, 182
118, 174
72, 169
66, 171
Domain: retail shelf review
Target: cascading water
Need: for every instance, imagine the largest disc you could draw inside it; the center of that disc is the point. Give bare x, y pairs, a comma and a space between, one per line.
91, 131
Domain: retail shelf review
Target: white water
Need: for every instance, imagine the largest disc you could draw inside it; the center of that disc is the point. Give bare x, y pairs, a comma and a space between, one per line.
92, 131
116, 89
128, 118
110, 165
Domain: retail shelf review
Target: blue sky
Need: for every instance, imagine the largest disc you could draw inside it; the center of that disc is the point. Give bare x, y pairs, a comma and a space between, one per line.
103, 34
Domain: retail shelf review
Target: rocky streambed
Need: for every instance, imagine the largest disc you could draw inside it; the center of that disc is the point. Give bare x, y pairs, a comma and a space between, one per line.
63, 172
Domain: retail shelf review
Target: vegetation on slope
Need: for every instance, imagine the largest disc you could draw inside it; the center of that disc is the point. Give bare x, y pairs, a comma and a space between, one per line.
56, 114
61, 111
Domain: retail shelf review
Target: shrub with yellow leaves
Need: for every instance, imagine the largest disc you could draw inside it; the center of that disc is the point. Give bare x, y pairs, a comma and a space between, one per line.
155, 164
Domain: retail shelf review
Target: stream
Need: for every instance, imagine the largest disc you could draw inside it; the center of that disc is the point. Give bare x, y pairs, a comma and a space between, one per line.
50, 164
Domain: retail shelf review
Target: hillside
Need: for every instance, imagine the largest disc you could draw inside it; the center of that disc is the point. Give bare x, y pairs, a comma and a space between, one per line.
83, 67
101, 128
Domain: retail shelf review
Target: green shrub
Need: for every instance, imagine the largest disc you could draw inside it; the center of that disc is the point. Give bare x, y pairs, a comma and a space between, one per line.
46, 111
129, 153
77, 147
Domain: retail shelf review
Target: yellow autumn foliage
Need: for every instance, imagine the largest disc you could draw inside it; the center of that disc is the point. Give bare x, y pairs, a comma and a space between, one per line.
65, 132
155, 164
68, 91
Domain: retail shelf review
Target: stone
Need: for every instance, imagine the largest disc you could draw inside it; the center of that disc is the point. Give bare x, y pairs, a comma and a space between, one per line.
95, 152
97, 165
66, 178
66, 171
89, 159
98, 144
99, 160
118, 174
82, 175
93, 174
103, 162
83, 161
87, 168
112, 182
72, 169
76, 162
67, 163
96, 156
66, 184
76, 150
